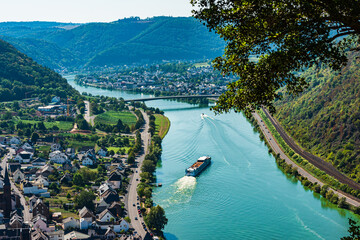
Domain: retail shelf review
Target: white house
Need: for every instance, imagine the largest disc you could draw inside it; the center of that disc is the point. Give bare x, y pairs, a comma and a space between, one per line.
106, 216
15, 141
102, 152
55, 147
28, 188
87, 162
70, 222
103, 188
76, 235
41, 182
86, 218
86, 214
56, 235
27, 147
18, 175
23, 157
115, 179
123, 225
58, 157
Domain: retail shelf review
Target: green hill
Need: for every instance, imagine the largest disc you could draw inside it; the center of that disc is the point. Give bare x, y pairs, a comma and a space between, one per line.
125, 41
21, 77
325, 119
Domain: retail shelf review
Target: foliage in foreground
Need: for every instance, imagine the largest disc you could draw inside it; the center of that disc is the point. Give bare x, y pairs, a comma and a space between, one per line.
354, 231
286, 36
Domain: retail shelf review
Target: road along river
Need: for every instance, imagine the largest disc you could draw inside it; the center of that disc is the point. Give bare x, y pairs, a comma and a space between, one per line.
242, 194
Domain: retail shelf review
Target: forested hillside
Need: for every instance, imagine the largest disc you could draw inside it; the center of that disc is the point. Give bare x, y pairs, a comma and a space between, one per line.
21, 77
325, 119
121, 42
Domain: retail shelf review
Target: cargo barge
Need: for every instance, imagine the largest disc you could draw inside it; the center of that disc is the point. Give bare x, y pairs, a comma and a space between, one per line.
198, 166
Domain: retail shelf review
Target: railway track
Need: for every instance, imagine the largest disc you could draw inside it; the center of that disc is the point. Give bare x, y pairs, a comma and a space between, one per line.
316, 161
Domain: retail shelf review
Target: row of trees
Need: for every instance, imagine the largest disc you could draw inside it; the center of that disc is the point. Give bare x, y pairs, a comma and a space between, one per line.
119, 127
136, 148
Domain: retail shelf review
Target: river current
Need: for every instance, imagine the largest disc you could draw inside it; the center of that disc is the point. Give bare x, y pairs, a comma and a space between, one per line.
242, 194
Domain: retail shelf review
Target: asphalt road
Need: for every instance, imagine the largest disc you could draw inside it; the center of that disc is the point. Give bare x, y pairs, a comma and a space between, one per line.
87, 117
26, 213
276, 148
131, 197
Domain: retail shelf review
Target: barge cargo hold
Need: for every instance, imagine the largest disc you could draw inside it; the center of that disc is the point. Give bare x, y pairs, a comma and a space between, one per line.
198, 166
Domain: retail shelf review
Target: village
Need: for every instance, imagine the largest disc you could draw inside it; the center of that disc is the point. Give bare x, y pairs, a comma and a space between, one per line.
55, 190
175, 79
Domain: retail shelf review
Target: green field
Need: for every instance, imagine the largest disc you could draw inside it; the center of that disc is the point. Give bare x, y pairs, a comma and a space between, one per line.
44, 148
162, 125
79, 144
65, 126
111, 117
64, 213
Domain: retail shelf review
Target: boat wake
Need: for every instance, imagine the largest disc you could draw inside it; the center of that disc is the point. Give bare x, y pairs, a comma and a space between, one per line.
203, 116
183, 190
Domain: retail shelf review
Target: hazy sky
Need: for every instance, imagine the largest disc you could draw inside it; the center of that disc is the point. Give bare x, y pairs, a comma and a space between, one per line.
80, 11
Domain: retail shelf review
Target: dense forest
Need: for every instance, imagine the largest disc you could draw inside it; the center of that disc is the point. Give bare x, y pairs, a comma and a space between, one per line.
21, 77
125, 41
325, 119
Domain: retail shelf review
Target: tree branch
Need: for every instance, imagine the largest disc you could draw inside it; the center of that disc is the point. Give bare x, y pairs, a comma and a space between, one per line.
340, 35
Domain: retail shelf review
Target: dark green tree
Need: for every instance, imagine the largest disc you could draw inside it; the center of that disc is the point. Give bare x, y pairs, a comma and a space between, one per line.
78, 179
41, 126
34, 137
285, 36
148, 166
156, 218
131, 158
354, 231
85, 198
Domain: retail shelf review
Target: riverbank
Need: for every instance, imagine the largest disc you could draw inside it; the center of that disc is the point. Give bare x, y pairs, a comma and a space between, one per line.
154, 216
162, 125
334, 195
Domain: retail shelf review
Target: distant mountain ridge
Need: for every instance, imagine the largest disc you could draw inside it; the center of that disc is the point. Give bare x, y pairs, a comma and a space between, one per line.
325, 119
125, 41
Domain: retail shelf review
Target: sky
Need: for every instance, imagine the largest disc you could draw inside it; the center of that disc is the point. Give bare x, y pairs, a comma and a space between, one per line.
82, 11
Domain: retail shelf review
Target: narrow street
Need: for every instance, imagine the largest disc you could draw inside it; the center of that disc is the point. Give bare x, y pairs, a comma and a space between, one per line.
131, 198
26, 212
87, 116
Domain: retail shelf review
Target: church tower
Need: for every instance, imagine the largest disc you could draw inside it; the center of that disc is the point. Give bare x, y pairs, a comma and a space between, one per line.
7, 195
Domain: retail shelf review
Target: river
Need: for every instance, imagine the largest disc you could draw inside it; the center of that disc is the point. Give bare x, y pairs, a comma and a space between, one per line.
242, 194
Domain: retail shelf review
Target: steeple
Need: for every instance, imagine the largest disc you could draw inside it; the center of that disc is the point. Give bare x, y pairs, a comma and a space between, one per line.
7, 195
6, 178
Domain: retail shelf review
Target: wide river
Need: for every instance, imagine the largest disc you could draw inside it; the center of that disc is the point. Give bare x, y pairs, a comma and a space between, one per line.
243, 194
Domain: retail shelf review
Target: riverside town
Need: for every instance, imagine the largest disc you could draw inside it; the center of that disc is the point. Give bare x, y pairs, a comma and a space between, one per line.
180, 120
